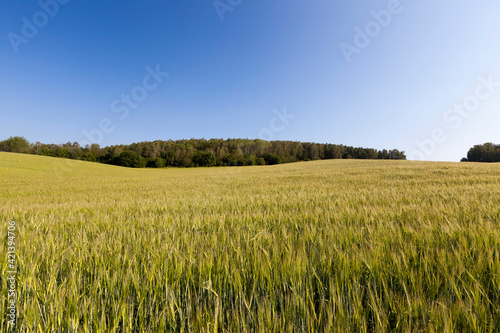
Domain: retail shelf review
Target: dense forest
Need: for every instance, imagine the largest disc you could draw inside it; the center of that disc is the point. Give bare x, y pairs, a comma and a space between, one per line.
199, 152
488, 152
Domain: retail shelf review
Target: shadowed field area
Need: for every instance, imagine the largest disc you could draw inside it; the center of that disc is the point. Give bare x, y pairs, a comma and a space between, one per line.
337, 245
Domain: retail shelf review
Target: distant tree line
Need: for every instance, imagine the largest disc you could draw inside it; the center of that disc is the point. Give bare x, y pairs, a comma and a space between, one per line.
199, 152
488, 152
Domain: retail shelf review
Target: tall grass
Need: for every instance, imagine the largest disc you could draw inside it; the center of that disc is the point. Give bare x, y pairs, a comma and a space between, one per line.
334, 246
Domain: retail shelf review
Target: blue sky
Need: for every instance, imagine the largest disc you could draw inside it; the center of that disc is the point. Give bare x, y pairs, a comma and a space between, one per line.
419, 76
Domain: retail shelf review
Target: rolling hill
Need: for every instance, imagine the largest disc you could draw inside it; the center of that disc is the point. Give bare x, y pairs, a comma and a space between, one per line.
334, 245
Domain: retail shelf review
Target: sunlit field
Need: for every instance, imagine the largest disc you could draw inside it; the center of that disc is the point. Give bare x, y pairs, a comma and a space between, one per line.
334, 246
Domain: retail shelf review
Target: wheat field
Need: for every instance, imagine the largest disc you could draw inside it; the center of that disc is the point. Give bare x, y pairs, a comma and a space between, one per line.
322, 246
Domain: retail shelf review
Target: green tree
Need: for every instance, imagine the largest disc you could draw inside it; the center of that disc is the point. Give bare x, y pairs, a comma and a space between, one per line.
272, 159
397, 155
260, 161
204, 159
487, 152
131, 159
15, 144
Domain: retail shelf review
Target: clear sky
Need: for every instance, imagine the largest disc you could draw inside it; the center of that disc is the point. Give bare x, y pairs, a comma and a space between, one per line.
419, 76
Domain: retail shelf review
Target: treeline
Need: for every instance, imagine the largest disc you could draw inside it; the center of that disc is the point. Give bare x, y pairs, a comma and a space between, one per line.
488, 152
200, 152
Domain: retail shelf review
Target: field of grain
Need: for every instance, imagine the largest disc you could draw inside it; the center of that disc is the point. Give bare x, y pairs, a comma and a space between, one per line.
334, 246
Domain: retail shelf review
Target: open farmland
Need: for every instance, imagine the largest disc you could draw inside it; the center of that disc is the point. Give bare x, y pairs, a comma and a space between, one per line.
339, 245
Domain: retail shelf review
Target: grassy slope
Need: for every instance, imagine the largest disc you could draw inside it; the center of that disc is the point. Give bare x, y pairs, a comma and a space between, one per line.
341, 245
